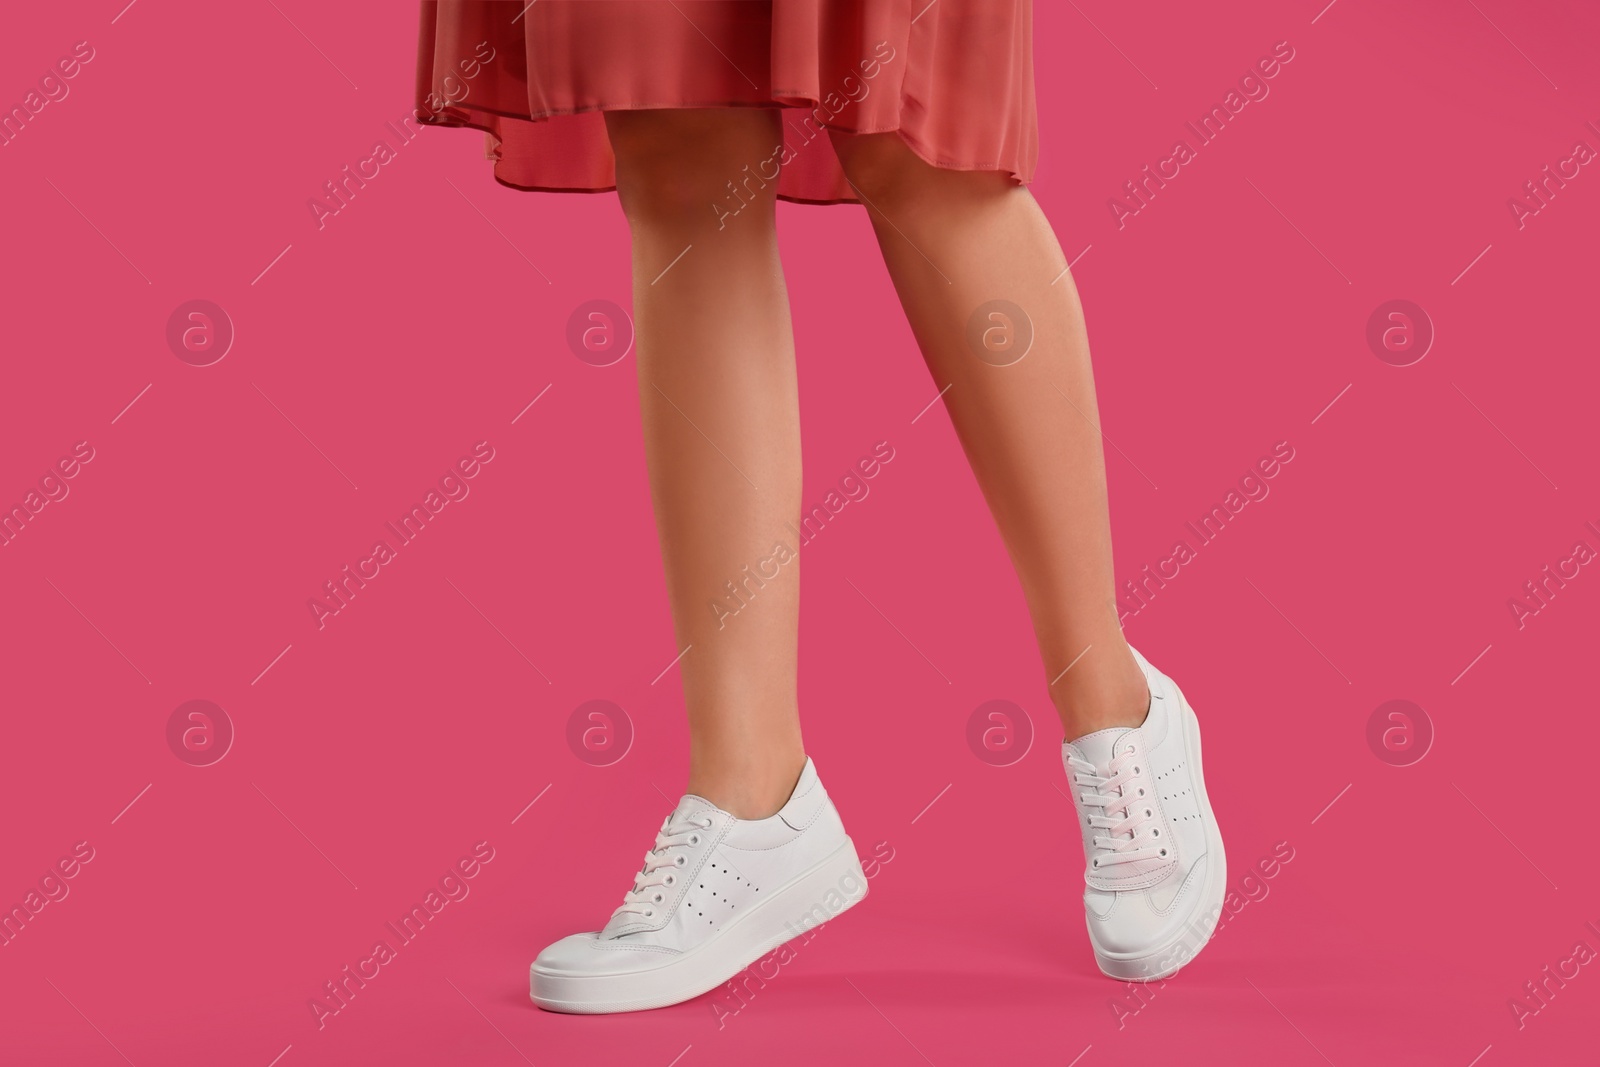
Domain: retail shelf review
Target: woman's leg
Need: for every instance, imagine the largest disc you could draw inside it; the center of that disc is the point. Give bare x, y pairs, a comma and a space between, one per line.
719, 403
953, 241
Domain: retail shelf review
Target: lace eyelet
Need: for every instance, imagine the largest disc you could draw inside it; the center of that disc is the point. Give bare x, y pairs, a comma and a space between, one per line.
1155, 833
1136, 769
1095, 863
1163, 852
1149, 814
649, 915
658, 898
670, 880
1141, 790
681, 861
694, 839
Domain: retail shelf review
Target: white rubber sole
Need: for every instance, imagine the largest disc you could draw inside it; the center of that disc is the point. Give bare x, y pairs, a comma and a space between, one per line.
1165, 960
799, 906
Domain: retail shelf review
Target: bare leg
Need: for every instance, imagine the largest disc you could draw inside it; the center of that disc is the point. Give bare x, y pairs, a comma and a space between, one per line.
719, 402
953, 241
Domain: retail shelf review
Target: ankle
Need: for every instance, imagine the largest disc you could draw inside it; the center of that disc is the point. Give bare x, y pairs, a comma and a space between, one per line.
748, 788
1104, 699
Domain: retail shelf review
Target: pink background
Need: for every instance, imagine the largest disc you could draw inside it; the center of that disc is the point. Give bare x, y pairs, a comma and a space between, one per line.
376, 351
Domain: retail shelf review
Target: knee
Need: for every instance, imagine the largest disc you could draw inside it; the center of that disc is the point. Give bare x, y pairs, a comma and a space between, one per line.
683, 167
878, 165
884, 170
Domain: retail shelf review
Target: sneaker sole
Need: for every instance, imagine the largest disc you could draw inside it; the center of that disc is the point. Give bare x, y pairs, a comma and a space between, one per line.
1164, 961
788, 913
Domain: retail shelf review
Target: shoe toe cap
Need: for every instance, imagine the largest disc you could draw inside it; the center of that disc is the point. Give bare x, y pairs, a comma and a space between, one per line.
583, 955
575, 954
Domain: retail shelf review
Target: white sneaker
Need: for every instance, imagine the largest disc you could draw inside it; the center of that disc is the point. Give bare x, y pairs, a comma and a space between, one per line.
716, 893
1155, 870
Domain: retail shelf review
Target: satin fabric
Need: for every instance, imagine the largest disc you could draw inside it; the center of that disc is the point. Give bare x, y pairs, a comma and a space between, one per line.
954, 78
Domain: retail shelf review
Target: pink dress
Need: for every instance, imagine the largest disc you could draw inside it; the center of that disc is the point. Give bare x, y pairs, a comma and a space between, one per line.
954, 78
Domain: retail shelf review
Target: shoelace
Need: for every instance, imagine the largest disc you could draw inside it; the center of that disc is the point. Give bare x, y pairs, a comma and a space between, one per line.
1125, 839
661, 864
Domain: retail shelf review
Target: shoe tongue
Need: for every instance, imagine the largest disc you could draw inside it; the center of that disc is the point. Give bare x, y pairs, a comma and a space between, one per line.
1101, 746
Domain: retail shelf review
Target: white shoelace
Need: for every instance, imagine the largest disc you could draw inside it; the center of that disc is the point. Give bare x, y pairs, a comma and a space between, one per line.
1125, 817
661, 864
